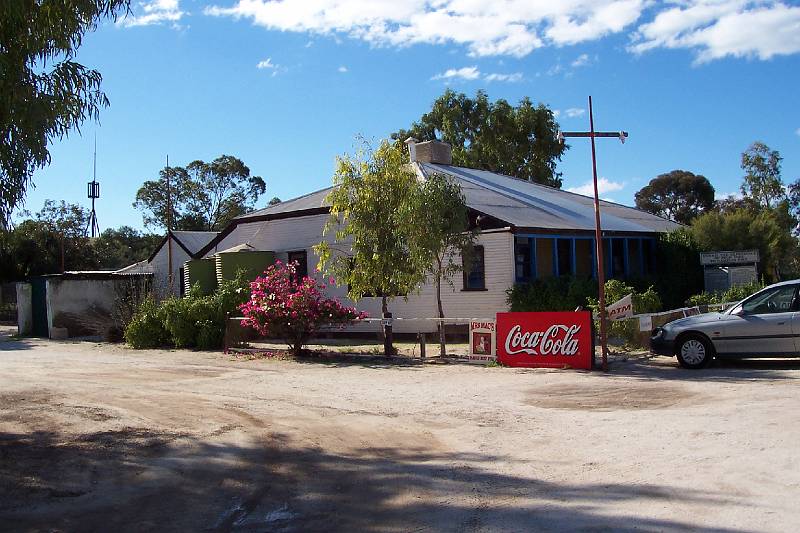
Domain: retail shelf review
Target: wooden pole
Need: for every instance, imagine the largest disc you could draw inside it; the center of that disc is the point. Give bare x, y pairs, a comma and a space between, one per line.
601, 273
169, 235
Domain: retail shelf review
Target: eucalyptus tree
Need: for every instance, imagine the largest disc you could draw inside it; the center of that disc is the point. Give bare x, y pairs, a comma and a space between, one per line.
44, 93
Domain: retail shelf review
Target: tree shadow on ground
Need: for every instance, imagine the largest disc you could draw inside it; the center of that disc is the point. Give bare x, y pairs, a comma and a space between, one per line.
144, 480
720, 370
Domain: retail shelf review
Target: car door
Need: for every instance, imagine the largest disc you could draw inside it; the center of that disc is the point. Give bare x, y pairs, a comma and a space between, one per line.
761, 324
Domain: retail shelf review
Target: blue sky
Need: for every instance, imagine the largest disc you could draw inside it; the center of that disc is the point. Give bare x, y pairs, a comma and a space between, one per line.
286, 86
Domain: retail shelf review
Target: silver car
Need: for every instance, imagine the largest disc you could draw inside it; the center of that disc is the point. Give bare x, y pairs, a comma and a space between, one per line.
766, 324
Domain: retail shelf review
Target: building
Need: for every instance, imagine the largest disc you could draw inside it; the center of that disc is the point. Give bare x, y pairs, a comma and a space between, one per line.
527, 231
185, 246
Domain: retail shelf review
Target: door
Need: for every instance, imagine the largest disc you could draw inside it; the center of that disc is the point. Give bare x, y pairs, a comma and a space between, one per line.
762, 324
39, 307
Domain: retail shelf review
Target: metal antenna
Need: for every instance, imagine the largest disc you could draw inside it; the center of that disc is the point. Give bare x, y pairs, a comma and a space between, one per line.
93, 190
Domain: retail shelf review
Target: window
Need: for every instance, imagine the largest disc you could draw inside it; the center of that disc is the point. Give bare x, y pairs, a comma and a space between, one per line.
522, 258
474, 274
302, 262
777, 300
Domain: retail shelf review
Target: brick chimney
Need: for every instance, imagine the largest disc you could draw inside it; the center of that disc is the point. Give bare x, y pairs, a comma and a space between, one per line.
436, 152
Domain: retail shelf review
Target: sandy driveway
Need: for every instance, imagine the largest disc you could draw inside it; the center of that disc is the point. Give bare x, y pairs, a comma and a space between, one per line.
102, 438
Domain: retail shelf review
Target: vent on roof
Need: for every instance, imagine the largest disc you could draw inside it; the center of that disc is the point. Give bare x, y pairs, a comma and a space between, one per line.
437, 152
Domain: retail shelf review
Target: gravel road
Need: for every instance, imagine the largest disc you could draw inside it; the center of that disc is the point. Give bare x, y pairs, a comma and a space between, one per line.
97, 437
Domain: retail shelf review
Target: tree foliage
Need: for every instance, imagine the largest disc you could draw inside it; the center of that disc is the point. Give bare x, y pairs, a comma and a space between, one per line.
496, 136
762, 179
678, 195
443, 237
202, 196
744, 229
33, 247
44, 92
372, 220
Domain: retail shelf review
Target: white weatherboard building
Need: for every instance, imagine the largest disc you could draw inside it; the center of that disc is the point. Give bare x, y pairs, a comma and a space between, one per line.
185, 245
527, 231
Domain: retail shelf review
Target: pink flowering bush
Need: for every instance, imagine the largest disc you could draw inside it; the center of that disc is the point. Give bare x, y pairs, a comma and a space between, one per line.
281, 305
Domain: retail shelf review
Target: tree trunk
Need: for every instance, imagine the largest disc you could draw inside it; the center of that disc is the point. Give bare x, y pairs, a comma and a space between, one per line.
442, 348
388, 347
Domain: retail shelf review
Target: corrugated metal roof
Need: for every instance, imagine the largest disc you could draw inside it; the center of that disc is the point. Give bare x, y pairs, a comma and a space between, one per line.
142, 267
313, 200
518, 202
194, 240
526, 204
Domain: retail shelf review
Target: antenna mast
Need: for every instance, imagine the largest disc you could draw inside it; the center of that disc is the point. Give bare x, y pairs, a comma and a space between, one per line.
93, 190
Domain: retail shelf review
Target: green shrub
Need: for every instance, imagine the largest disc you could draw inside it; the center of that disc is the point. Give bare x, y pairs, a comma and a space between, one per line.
734, 294
564, 293
146, 328
194, 321
643, 302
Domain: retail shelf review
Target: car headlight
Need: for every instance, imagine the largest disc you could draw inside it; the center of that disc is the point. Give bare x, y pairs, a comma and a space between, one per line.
658, 333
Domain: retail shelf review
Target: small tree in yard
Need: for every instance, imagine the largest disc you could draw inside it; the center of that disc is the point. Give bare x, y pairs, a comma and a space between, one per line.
283, 305
443, 235
372, 214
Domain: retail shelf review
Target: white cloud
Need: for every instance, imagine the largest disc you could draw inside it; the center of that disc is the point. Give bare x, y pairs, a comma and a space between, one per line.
712, 28
464, 73
473, 73
573, 112
511, 78
342, 69
154, 12
721, 28
267, 64
604, 186
507, 27
581, 61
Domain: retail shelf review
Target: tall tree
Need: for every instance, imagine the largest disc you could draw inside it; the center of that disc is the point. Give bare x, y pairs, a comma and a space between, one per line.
372, 210
762, 179
444, 239
44, 92
203, 196
678, 195
518, 141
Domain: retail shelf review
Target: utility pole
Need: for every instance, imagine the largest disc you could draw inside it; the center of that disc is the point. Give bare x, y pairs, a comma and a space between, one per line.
169, 234
598, 234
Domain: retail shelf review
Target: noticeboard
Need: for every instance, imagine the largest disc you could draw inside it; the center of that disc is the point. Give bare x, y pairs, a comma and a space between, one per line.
731, 257
482, 341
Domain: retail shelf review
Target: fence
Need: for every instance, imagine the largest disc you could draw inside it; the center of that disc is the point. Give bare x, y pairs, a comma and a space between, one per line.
237, 337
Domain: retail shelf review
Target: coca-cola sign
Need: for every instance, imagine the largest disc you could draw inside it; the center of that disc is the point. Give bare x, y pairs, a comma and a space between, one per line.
554, 340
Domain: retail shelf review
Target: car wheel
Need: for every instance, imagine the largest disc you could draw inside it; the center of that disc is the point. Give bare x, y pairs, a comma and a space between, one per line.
694, 351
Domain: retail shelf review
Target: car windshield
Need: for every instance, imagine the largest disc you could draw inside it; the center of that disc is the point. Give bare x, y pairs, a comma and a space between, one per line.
774, 300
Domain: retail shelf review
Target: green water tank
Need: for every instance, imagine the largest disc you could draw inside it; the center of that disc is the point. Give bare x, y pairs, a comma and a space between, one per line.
242, 257
202, 272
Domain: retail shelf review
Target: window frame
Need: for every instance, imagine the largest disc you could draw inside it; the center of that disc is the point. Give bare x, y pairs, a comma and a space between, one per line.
477, 250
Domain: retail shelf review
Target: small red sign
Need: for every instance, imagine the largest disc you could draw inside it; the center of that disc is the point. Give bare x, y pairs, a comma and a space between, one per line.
549, 340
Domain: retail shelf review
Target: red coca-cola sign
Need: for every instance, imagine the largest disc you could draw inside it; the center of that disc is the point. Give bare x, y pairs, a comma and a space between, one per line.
551, 340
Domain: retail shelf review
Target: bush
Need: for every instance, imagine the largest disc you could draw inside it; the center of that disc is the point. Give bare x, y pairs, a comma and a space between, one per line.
643, 302
194, 321
285, 306
146, 328
734, 294
564, 293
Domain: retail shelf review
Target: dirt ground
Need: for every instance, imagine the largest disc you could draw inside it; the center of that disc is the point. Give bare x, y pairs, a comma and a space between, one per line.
97, 437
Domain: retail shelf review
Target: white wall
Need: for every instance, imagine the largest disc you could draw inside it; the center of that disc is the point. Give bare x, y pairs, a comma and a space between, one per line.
160, 265
82, 306
302, 233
